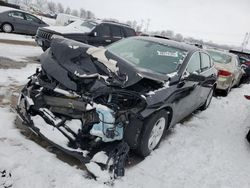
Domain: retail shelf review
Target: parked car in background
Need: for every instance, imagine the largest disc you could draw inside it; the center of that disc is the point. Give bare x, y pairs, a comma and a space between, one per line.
14, 20
128, 93
66, 19
244, 58
229, 70
93, 32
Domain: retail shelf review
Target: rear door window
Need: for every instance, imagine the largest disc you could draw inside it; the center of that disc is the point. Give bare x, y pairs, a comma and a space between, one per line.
16, 14
116, 31
104, 30
194, 64
205, 62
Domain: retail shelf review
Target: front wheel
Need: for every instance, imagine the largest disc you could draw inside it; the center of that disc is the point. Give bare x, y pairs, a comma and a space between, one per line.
208, 101
248, 136
7, 28
227, 91
154, 128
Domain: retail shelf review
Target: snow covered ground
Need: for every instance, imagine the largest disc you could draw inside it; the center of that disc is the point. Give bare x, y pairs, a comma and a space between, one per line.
18, 37
207, 150
19, 52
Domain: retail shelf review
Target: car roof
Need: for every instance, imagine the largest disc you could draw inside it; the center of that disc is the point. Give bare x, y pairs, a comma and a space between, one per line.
100, 21
222, 52
179, 45
5, 9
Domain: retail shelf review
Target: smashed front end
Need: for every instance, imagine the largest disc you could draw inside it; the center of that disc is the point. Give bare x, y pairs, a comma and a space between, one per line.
81, 102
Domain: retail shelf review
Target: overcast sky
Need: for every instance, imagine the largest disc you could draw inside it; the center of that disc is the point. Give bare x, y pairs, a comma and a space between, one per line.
222, 21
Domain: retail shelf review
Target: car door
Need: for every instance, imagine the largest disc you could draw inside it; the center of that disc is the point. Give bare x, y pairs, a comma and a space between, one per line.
32, 23
210, 75
116, 33
187, 90
100, 36
17, 19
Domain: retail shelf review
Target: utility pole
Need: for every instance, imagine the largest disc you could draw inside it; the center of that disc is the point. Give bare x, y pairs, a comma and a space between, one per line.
147, 26
245, 41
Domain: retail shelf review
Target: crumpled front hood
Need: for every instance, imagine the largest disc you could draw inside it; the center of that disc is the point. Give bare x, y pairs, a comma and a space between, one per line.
84, 61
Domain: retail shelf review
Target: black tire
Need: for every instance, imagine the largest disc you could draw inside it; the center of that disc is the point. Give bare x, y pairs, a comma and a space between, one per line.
149, 123
227, 91
248, 136
208, 101
7, 28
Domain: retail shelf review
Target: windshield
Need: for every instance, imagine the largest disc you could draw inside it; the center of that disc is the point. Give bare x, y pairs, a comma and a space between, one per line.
85, 26
220, 57
149, 55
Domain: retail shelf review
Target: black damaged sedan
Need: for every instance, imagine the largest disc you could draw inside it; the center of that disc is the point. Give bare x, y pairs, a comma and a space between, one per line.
92, 101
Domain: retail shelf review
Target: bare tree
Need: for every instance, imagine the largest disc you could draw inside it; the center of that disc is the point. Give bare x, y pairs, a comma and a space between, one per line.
75, 12
179, 37
169, 33
83, 13
52, 7
16, 2
90, 15
68, 10
26, 2
134, 24
129, 23
41, 3
60, 8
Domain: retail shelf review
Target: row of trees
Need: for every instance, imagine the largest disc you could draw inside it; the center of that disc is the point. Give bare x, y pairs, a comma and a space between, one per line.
53, 8
48, 6
59, 8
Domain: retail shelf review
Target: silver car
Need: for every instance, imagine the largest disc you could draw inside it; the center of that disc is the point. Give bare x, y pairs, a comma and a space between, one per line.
14, 20
229, 70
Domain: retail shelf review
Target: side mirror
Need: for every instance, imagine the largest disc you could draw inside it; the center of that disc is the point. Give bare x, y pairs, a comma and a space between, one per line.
93, 34
194, 77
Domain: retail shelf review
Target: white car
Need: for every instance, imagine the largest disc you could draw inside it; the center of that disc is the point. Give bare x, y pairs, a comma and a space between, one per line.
229, 70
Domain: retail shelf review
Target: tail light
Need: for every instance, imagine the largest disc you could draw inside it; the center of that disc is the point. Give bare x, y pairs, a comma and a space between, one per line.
224, 73
247, 97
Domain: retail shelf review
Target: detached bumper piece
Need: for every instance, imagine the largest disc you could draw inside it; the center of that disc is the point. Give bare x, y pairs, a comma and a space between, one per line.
66, 134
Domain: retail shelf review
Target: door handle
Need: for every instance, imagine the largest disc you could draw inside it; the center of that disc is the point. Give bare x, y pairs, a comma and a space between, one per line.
107, 40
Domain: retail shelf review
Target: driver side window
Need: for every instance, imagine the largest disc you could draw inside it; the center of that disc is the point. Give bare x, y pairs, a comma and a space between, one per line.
194, 65
31, 18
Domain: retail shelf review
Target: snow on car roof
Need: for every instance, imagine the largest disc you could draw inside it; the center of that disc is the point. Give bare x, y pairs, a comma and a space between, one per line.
3, 9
